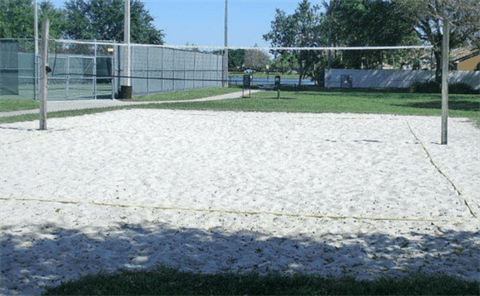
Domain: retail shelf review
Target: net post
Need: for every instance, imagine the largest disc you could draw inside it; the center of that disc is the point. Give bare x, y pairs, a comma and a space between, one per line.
43, 77
445, 53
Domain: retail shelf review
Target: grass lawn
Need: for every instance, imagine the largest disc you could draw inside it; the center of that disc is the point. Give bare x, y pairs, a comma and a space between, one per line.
169, 281
308, 101
8, 105
320, 101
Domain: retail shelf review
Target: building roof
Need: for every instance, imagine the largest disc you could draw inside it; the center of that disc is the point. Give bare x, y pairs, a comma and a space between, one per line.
463, 53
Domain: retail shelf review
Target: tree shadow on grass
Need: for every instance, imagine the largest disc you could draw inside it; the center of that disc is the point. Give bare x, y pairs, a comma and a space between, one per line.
278, 99
461, 105
49, 254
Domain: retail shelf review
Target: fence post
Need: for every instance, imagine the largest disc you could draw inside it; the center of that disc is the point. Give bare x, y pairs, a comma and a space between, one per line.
148, 69
194, 76
95, 70
184, 70
43, 78
174, 69
113, 73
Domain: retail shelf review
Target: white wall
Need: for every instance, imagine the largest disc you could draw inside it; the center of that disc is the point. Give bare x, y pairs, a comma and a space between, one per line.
394, 78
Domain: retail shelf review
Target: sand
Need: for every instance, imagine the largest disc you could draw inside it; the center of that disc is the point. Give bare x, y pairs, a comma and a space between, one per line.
327, 194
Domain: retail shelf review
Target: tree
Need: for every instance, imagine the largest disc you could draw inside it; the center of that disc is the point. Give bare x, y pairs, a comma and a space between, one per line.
301, 29
54, 15
429, 15
104, 20
285, 62
256, 59
235, 59
474, 18
16, 19
369, 23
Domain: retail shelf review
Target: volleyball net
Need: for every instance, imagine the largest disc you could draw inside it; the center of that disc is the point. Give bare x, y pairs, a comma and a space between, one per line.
99, 69
151, 69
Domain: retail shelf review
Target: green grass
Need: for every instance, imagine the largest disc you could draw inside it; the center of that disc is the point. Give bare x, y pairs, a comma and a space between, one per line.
309, 101
8, 105
169, 281
313, 101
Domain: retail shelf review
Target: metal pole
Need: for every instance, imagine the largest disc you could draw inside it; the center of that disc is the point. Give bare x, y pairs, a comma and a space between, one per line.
95, 70
330, 36
184, 70
174, 69
194, 76
43, 78
113, 83
445, 54
127, 41
225, 54
35, 61
148, 70
163, 67
67, 78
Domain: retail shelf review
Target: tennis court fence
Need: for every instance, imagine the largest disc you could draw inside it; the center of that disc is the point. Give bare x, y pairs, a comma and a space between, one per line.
97, 70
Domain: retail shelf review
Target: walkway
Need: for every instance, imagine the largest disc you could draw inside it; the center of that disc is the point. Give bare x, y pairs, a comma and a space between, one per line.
54, 106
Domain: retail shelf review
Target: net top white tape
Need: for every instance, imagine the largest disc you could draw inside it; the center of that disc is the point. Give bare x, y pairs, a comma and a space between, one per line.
206, 47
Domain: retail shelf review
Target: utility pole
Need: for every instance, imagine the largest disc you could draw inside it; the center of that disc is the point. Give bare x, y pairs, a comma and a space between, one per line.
127, 41
225, 53
35, 60
126, 89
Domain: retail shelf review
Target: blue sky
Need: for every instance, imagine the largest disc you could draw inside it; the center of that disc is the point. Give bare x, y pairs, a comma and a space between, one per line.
201, 22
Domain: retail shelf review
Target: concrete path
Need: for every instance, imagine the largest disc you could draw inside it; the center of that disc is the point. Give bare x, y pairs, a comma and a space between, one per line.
54, 106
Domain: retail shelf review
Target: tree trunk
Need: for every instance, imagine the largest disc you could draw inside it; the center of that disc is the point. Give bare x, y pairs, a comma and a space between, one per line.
300, 72
438, 69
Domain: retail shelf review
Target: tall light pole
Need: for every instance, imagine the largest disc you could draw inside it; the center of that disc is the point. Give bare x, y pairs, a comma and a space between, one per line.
225, 53
126, 89
127, 42
35, 60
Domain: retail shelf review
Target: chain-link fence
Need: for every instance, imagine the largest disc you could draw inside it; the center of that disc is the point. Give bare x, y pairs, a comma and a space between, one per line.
159, 70
97, 70
17, 68
80, 71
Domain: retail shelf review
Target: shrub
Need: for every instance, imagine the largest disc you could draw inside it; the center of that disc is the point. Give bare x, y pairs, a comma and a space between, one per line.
426, 87
462, 88
432, 86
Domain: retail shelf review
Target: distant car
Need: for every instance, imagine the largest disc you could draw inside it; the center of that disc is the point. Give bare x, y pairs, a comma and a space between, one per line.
249, 71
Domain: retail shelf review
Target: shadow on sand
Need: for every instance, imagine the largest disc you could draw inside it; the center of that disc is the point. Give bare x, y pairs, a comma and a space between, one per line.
48, 254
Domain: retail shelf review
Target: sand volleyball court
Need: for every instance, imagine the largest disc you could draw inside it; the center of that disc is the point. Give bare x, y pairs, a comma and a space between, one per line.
330, 194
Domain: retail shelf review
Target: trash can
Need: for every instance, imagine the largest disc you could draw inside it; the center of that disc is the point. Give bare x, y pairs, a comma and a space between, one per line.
125, 92
277, 82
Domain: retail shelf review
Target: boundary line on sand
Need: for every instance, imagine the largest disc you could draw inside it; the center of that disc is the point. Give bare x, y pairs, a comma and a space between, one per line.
286, 214
457, 191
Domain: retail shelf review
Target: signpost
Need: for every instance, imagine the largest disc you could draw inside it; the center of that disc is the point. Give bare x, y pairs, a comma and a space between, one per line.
246, 84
